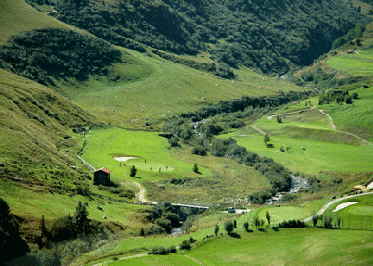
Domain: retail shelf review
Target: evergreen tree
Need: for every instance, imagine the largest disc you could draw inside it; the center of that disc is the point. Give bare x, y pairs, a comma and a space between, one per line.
196, 169
133, 171
216, 230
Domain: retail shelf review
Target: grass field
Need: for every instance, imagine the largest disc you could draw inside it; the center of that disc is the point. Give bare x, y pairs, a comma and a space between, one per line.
287, 247
356, 118
283, 213
313, 146
152, 89
357, 64
32, 203
220, 180
357, 216
151, 150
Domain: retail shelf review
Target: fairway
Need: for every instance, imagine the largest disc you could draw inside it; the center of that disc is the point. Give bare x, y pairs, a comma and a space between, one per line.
312, 146
357, 216
283, 213
287, 247
356, 118
154, 158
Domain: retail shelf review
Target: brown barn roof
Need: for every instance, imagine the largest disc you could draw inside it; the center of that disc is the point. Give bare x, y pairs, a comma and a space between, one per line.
105, 170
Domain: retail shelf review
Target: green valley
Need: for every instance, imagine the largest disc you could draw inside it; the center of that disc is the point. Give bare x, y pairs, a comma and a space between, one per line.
212, 132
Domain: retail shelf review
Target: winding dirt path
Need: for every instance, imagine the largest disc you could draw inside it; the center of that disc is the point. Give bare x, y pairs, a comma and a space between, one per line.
259, 130
122, 258
334, 127
331, 121
193, 259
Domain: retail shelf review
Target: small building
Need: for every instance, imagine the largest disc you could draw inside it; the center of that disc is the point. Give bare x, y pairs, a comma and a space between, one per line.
101, 177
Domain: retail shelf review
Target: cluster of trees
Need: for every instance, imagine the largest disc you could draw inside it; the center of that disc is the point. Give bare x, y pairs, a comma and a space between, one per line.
270, 35
338, 96
164, 217
70, 227
47, 54
11, 243
199, 128
221, 70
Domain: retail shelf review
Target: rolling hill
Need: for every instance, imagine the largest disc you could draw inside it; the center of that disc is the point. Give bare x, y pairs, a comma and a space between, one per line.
103, 78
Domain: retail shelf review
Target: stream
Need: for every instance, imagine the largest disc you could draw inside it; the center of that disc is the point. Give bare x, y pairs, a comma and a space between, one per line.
297, 184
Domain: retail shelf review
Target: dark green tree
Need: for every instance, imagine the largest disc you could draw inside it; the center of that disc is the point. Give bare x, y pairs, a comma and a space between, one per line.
196, 169
229, 227
216, 230
80, 219
133, 171
268, 217
315, 219
246, 226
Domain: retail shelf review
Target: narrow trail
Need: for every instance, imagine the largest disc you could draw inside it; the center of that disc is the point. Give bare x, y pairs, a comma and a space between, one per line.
193, 259
259, 130
327, 205
334, 127
331, 121
87, 164
122, 258
291, 113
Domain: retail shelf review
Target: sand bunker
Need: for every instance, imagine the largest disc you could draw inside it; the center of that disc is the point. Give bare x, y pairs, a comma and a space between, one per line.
124, 159
343, 205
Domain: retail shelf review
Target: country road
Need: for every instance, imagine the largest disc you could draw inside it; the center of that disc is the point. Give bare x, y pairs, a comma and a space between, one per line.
330, 203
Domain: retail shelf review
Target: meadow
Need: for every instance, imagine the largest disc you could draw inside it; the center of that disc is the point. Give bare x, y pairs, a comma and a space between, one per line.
220, 179
152, 89
154, 159
286, 247
356, 64
358, 216
34, 202
311, 145
357, 117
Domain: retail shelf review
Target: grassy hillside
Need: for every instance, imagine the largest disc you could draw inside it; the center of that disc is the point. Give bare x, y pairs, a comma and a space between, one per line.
38, 143
151, 88
16, 17
324, 247
310, 143
168, 173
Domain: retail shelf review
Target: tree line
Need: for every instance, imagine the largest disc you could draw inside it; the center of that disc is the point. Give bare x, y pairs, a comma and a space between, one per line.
273, 36
199, 129
50, 54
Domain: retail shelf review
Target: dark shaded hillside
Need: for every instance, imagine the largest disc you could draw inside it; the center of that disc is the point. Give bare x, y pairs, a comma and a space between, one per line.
47, 54
36, 132
271, 35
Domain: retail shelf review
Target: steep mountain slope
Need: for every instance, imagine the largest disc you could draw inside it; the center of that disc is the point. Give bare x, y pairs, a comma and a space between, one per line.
37, 141
272, 36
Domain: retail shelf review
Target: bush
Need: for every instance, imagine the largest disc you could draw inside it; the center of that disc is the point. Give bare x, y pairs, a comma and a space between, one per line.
201, 151
235, 235
292, 224
185, 245
133, 171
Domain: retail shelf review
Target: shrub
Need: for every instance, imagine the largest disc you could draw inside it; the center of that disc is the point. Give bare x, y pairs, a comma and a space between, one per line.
133, 171
185, 245
201, 151
292, 224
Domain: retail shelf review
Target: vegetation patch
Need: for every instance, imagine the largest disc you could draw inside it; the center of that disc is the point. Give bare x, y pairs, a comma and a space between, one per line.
47, 54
